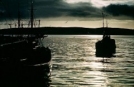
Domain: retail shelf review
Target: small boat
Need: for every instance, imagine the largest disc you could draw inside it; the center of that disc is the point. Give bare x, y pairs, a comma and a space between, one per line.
105, 47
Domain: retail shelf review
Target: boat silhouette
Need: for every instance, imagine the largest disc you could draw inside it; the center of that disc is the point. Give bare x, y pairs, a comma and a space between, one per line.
16, 45
105, 47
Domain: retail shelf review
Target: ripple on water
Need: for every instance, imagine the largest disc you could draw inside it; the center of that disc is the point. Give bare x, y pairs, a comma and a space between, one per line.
75, 64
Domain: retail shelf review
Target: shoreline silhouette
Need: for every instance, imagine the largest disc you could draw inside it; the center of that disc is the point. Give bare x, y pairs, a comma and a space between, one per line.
67, 31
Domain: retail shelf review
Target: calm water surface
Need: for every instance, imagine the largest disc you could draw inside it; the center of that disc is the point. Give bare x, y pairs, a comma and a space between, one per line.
74, 63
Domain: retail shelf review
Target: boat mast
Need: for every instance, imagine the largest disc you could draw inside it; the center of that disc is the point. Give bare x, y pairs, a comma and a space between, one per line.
18, 15
103, 19
39, 24
106, 21
31, 14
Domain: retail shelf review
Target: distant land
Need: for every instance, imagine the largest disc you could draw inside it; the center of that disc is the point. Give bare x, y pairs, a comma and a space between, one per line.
67, 31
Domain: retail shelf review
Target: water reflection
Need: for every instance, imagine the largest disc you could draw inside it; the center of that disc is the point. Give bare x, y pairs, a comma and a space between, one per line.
75, 64
25, 76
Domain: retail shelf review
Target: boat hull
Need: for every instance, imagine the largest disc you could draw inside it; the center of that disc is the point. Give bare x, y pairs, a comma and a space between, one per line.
105, 48
13, 52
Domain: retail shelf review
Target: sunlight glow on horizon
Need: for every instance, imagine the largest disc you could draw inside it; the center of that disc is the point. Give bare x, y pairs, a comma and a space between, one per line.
128, 24
113, 23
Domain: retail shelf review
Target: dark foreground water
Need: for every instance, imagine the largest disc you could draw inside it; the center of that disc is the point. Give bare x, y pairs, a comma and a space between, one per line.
74, 63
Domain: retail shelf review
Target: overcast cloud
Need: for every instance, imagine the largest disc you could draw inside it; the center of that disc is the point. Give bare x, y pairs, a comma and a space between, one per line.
58, 8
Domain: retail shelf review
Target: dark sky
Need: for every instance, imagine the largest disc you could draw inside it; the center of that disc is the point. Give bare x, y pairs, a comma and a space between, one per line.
72, 10
57, 8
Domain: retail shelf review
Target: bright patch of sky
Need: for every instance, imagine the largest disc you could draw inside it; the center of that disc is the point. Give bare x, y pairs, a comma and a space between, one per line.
101, 3
91, 23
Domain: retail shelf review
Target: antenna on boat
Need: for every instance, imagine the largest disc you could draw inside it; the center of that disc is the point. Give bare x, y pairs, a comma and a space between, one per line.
103, 19
106, 23
39, 23
10, 25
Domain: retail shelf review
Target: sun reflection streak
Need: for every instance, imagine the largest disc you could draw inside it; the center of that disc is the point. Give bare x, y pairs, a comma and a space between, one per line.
99, 78
95, 36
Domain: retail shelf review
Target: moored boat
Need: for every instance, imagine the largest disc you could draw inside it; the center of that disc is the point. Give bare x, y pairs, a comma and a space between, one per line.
16, 46
105, 47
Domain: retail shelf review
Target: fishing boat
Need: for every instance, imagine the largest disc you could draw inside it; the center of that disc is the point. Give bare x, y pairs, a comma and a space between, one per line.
24, 61
105, 47
23, 45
